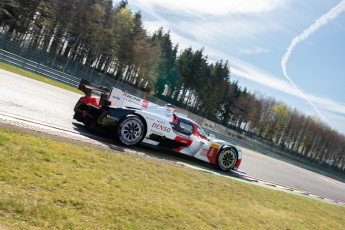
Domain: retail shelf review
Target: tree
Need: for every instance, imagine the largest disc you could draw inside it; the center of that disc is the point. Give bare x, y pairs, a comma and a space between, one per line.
225, 109
168, 81
193, 70
122, 31
143, 71
212, 86
281, 115
8, 11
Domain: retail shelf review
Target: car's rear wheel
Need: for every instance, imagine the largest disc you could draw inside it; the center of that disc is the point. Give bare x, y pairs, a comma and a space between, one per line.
226, 159
130, 130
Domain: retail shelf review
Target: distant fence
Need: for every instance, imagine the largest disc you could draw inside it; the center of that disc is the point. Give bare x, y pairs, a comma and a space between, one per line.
37, 68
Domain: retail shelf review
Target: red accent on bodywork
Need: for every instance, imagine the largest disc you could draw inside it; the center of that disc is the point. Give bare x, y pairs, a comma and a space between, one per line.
90, 100
175, 119
212, 154
196, 131
238, 163
183, 140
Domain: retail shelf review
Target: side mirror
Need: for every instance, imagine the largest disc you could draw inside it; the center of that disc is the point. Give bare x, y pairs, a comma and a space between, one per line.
211, 137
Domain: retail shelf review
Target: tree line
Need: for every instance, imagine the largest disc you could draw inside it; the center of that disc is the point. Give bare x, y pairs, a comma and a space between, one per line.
112, 39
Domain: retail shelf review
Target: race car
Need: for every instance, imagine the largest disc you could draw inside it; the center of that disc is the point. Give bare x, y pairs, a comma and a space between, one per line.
133, 120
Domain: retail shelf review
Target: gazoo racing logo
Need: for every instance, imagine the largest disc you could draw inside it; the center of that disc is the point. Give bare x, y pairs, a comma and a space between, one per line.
161, 127
131, 98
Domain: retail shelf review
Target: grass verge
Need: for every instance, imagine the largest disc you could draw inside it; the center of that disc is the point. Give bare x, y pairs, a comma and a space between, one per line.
51, 184
37, 77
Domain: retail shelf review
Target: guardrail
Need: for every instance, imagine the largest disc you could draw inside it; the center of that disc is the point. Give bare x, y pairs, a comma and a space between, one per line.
38, 68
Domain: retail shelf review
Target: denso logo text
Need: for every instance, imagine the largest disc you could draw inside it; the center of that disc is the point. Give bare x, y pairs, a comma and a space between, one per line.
161, 127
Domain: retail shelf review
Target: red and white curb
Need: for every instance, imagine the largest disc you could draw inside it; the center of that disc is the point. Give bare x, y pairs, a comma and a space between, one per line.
293, 190
38, 126
267, 184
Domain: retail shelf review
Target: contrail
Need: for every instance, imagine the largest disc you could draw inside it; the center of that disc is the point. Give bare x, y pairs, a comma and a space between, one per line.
323, 20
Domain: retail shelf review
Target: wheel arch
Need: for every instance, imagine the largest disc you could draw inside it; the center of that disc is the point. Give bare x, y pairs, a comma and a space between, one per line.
229, 146
121, 114
234, 148
131, 114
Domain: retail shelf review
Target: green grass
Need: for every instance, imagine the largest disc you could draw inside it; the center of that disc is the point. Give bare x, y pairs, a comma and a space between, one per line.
49, 184
37, 77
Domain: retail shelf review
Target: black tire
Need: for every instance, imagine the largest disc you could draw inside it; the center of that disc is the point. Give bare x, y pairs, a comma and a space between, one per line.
130, 130
226, 159
88, 122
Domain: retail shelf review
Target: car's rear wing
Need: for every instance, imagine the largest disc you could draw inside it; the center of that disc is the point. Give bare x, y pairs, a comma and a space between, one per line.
119, 98
88, 89
124, 99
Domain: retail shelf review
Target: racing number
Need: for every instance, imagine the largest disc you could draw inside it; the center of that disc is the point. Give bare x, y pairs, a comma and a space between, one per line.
212, 153
145, 103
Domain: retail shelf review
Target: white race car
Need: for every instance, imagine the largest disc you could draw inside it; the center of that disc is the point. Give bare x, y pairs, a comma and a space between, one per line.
133, 120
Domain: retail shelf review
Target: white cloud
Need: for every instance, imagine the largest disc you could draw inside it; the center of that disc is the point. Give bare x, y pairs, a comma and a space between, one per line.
218, 8
255, 50
152, 26
254, 74
230, 30
200, 21
328, 104
257, 75
323, 20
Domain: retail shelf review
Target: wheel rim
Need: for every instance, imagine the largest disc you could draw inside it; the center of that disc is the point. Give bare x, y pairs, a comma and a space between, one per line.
227, 159
131, 131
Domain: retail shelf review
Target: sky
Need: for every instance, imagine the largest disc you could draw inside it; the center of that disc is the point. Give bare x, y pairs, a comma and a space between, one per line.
291, 50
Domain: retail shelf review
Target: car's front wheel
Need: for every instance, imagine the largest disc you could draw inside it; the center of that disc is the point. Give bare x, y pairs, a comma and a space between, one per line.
226, 159
130, 130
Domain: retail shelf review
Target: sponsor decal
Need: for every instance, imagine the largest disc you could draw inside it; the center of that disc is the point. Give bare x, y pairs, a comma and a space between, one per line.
144, 104
203, 152
161, 127
116, 97
132, 98
211, 152
215, 146
149, 118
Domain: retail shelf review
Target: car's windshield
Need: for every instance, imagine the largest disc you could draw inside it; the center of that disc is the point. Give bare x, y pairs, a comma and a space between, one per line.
201, 132
185, 126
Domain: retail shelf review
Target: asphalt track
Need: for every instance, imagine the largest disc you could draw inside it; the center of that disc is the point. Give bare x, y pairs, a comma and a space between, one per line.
32, 100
